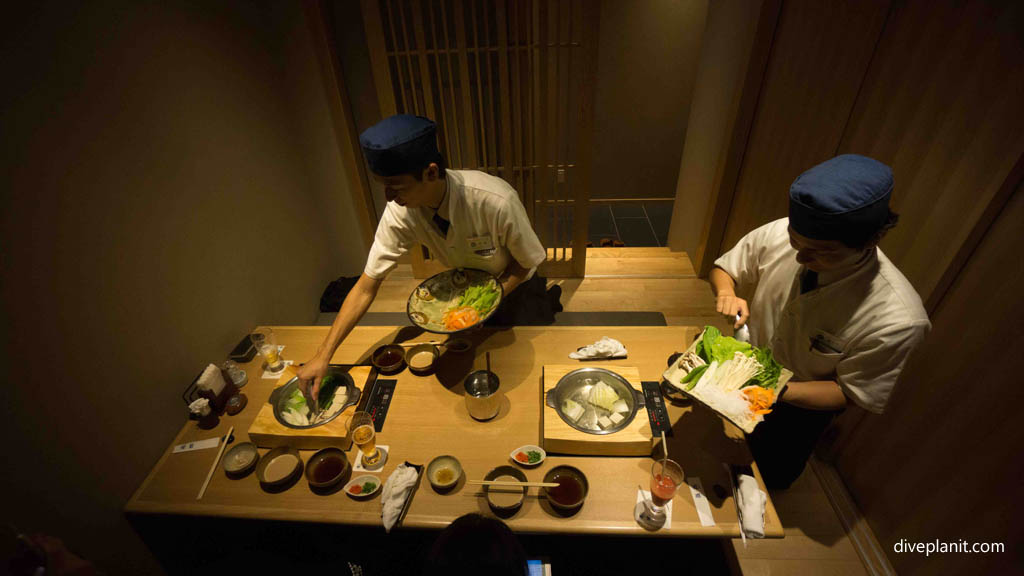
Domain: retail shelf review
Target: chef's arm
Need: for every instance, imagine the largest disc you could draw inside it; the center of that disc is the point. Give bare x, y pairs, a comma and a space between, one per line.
726, 301
356, 303
815, 395
513, 276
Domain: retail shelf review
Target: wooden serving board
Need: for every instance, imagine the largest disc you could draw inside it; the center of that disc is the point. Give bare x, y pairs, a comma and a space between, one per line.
560, 438
267, 432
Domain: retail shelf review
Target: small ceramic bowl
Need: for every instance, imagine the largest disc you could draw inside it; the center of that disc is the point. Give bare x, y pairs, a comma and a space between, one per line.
524, 460
327, 467
457, 345
389, 358
502, 498
279, 466
241, 459
421, 358
361, 481
572, 491
444, 472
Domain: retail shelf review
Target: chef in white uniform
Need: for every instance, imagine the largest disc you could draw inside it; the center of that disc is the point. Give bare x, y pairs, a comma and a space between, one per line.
817, 290
465, 218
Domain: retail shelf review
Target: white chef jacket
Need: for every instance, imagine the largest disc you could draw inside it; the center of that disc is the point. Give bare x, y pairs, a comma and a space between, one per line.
857, 330
488, 226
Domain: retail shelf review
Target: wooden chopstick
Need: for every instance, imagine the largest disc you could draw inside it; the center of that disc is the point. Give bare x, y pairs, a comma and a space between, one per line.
215, 462
411, 344
511, 483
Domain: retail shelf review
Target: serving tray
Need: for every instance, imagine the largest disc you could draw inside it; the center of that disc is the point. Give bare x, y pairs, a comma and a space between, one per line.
673, 374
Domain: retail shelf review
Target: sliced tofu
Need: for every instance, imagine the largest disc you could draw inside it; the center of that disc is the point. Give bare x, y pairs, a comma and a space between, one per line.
616, 418
605, 422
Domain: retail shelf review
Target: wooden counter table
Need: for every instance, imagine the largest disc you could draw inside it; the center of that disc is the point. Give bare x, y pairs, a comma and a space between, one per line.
428, 418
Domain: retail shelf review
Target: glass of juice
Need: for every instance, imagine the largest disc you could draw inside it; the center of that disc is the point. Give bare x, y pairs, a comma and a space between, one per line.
266, 343
666, 477
360, 426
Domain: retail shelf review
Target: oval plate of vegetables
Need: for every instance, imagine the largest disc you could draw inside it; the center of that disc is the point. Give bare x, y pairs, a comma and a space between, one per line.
454, 300
739, 381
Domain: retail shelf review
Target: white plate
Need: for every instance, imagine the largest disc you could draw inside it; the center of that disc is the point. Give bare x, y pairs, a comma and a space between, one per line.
363, 480
528, 448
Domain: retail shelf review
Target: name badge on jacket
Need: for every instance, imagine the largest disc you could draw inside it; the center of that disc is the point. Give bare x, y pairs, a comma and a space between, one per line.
481, 245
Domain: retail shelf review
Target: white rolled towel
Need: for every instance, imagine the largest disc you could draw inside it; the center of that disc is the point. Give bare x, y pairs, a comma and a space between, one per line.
604, 348
752, 502
212, 380
396, 490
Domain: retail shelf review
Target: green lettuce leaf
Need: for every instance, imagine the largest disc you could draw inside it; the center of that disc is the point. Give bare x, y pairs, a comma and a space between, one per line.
768, 376
720, 348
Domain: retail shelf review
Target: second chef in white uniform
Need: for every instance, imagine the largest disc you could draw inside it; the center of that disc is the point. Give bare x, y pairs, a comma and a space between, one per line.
827, 301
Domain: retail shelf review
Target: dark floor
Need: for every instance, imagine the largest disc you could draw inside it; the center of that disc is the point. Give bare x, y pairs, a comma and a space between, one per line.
217, 546
634, 224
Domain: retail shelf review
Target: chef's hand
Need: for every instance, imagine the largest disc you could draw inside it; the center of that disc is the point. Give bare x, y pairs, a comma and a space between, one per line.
730, 305
312, 373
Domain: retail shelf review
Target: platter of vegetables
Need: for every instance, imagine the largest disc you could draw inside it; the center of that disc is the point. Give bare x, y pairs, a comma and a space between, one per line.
454, 300
739, 381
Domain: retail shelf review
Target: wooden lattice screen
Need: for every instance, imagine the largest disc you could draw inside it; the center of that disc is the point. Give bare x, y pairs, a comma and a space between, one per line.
510, 85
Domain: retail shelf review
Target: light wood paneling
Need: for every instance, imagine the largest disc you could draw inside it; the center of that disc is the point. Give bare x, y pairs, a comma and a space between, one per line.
325, 46
943, 104
944, 461
818, 59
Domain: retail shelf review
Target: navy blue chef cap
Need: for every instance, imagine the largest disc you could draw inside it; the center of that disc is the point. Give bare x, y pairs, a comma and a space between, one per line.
845, 199
401, 144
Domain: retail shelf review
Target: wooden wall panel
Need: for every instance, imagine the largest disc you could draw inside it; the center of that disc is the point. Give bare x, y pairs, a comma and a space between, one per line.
943, 104
510, 86
818, 59
944, 461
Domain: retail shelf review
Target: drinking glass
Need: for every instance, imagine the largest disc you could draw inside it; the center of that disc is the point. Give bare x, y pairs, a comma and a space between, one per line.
266, 343
666, 477
360, 426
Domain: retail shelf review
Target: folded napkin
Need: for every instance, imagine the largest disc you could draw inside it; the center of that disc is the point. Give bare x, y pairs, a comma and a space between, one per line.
396, 489
604, 348
751, 502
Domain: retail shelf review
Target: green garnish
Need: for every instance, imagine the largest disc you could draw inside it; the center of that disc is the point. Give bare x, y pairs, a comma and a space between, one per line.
533, 456
369, 487
328, 385
482, 297
694, 375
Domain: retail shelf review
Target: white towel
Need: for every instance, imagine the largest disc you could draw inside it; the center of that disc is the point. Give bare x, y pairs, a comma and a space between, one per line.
604, 348
752, 502
211, 379
396, 489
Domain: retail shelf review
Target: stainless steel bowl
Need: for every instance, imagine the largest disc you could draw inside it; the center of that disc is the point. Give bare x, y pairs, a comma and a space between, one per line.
280, 395
574, 384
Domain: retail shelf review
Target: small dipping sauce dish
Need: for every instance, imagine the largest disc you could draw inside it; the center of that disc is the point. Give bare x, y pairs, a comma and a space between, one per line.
421, 358
327, 467
389, 359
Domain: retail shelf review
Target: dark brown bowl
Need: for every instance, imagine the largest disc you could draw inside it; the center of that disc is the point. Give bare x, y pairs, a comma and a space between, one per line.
319, 462
557, 497
389, 358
